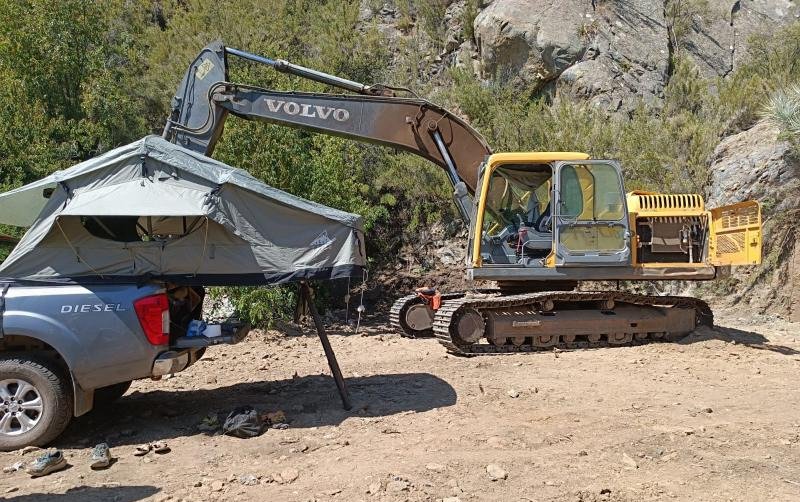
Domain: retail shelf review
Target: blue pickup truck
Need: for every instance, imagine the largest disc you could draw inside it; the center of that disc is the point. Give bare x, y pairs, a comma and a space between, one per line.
65, 348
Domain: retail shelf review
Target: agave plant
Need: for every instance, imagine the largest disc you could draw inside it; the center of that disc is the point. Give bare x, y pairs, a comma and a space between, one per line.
783, 110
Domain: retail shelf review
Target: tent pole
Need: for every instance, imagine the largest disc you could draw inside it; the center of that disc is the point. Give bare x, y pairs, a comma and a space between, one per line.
305, 291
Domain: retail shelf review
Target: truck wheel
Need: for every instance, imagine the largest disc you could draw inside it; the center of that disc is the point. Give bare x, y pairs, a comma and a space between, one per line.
35, 401
107, 395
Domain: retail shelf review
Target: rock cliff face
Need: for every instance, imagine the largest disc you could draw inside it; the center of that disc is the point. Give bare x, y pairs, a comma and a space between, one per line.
756, 164
608, 56
611, 53
614, 53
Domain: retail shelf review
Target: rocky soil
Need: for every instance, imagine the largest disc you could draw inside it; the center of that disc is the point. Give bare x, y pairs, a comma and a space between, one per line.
713, 417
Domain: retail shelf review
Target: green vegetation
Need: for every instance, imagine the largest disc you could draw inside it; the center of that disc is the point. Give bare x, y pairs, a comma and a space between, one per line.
78, 77
783, 110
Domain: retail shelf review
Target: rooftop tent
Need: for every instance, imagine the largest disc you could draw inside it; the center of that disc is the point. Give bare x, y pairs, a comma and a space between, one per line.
152, 209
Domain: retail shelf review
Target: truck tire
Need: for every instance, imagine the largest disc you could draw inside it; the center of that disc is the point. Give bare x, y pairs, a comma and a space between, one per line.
38, 390
107, 395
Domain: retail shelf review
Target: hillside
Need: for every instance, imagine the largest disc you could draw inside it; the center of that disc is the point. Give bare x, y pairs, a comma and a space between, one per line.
684, 92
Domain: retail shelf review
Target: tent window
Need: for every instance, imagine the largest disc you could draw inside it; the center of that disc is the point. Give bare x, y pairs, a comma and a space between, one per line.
140, 228
114, 228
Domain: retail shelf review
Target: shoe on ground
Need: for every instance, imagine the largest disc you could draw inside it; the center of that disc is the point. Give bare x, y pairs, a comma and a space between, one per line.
50, 462
101, 457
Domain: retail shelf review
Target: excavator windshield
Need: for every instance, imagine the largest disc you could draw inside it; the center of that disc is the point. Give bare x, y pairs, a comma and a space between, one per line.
516, 220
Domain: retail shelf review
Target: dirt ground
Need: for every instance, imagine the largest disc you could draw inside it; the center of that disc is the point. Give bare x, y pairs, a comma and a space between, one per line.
714, 417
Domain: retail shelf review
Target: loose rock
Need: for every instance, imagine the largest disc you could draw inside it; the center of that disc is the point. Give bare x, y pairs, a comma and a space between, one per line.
512, 393
629, 461
289, 475
496, 472
397, 486
248, 480
435, 467
217, 485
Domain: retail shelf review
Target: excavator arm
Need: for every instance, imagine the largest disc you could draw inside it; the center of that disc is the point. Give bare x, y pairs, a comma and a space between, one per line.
373, 114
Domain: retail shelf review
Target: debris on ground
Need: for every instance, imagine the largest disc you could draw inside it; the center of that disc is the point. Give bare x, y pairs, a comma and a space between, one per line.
159, 447
275, 417
243, 422
209, 423
16, 466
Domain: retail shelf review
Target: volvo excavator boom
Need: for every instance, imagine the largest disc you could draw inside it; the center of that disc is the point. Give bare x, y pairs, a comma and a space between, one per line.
540, 222
373, 114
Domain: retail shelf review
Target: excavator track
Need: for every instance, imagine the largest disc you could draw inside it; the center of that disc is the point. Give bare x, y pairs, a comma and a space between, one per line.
398, 312
445, 324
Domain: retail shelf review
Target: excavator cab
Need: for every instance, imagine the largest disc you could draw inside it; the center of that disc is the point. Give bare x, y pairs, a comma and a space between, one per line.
551, 210
561, 216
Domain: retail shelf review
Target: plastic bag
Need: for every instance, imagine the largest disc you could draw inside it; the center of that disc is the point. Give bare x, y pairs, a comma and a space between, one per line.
243, 422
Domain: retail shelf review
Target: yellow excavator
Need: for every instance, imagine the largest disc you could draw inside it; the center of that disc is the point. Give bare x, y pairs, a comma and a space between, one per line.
539, 222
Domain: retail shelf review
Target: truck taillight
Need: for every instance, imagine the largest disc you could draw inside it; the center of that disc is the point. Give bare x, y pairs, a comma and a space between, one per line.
153, 314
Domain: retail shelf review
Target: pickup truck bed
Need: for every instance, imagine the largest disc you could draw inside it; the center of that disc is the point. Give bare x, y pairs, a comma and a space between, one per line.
59, 343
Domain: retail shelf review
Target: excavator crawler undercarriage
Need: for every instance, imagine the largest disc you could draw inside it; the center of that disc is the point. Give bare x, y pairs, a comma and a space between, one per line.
491, 322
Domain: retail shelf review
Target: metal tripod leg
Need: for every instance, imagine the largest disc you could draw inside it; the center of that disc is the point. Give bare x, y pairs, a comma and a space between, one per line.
305, 293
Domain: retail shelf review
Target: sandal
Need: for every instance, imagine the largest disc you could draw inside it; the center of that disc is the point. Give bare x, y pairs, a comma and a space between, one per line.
160, 447
142, 450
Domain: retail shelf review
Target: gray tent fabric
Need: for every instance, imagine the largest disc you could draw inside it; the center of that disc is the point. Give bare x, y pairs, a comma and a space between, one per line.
154, 210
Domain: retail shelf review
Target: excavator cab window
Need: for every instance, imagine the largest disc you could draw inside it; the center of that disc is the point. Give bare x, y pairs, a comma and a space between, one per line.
517, 218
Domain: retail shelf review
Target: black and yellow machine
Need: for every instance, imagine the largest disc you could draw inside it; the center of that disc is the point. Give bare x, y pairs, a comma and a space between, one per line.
540, 222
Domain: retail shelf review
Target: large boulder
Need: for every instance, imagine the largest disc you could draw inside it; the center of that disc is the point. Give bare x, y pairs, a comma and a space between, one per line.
529, 41
606, 54
613, 54
717, 40
757, 164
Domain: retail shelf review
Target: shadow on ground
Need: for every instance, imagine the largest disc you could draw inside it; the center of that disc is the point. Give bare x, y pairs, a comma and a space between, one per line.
739, 336
91, 494
307, 401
